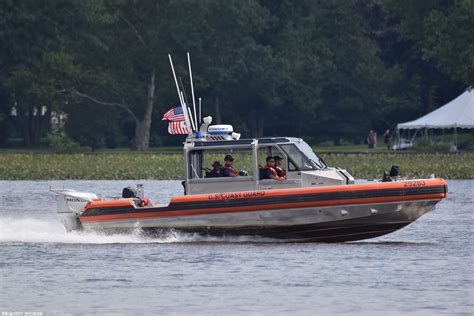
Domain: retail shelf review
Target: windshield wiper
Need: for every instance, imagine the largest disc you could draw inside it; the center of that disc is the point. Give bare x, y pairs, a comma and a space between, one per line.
316, 164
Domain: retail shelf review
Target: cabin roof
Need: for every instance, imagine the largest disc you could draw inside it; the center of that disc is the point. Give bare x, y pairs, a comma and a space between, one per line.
248, 141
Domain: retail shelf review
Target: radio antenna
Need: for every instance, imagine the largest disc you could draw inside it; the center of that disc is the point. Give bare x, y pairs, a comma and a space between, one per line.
192, 88
181, 100
200, 116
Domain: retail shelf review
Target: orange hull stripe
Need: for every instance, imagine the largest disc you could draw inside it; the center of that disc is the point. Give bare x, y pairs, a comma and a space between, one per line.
260, 207
283, 192
333, 188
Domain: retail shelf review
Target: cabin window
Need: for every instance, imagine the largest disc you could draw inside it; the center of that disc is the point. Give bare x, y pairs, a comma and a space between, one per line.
265, 151
201, 162
299, 161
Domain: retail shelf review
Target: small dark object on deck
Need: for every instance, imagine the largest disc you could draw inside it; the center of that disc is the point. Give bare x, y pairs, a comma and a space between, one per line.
386, 177
129, 192
394, 171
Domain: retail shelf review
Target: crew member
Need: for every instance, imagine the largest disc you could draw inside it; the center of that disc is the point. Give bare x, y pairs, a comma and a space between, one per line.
281, 172
228, 170
216, 170
269, 171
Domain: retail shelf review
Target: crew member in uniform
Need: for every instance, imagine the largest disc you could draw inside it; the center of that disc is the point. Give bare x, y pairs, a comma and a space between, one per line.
281, 172
228, 170
269, 171
216, 170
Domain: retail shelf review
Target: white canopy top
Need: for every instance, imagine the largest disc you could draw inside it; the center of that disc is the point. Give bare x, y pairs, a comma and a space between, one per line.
459, 113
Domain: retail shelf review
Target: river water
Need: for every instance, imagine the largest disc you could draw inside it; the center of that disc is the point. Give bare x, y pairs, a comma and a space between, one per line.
424, 269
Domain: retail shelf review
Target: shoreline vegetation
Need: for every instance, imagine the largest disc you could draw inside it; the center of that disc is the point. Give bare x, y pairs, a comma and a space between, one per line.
169, 165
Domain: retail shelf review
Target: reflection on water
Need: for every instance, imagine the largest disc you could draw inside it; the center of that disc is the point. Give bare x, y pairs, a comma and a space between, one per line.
425, 268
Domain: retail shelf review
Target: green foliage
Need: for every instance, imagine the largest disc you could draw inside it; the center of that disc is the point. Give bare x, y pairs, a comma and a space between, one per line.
170, 166
429, 146
420, 165
330, 70
62, 143
450, 46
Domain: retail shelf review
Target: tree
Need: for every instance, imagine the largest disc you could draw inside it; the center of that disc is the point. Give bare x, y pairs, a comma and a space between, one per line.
31, 36
120, 54
423, 85
234, 67
448, 40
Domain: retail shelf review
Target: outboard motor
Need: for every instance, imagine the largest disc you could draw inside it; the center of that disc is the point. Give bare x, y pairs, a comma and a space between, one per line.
129, 192
70, 206
394, 171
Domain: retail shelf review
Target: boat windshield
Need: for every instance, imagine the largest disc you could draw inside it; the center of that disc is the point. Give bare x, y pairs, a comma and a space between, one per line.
303, 156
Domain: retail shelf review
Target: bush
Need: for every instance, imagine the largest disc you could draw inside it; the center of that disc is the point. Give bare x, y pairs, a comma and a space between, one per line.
63, 144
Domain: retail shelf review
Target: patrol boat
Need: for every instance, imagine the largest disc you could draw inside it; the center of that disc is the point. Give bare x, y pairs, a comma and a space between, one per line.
314, 202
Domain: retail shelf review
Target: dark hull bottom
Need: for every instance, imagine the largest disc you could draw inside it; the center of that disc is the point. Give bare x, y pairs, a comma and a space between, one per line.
297, 233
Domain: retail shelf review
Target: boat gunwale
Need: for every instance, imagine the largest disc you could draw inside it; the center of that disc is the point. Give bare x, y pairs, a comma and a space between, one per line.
189, 207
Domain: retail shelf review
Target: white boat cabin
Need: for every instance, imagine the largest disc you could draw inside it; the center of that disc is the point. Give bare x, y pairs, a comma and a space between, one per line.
303, 167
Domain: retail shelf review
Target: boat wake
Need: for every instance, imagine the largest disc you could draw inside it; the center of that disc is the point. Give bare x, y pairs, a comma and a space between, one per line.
32, 230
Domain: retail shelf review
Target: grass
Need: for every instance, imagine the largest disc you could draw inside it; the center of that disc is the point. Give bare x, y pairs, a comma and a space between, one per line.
128, 165
415, 165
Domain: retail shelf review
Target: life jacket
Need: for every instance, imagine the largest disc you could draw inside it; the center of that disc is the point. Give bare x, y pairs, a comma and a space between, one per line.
144, 202
274, 173
280, 171
231, 169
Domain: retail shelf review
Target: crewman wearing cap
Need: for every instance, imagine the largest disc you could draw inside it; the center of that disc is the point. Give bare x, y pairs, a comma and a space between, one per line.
269, 171
228, 170
216, 170
281, 172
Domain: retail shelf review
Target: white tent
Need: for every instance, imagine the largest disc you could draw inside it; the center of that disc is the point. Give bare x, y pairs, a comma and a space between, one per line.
459, 113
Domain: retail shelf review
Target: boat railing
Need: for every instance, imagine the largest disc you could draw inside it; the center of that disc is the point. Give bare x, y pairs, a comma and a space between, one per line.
221, 179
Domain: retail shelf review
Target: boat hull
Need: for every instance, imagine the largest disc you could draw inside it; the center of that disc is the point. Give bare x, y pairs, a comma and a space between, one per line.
329, 214
324, 224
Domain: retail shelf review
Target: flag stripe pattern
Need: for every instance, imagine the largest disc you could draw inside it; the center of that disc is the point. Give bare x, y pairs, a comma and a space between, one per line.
174, 115
177, 121
178, 128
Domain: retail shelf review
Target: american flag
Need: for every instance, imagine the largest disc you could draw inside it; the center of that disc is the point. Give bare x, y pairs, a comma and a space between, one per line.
174, 114
178, 128
177, 124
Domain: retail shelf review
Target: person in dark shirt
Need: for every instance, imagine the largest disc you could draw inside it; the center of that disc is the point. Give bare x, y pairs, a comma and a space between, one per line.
269, 171
386, 138
228, 170
278, 167
216, 170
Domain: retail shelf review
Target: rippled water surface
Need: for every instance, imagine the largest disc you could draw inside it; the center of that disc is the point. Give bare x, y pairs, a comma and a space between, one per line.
426, 268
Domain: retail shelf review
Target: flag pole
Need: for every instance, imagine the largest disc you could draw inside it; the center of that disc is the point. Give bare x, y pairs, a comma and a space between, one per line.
181, 99
192, 88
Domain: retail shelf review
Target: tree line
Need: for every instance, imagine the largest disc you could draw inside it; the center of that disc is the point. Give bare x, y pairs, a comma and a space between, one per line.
326, 70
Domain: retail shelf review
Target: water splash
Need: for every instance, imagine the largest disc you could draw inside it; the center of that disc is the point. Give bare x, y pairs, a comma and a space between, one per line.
33, 230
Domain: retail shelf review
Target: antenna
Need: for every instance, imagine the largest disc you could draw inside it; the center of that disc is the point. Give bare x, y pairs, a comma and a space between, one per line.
183, 91
187, 113
192, 87
192, 121
181, 99
200, 116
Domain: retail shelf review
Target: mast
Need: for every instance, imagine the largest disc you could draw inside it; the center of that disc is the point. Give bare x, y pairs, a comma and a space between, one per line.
192, 88
181, 99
